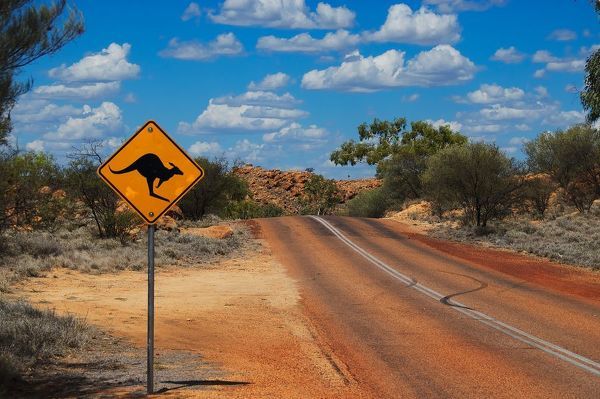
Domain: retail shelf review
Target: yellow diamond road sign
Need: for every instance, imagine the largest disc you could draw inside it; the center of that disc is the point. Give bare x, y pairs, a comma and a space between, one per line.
151, 172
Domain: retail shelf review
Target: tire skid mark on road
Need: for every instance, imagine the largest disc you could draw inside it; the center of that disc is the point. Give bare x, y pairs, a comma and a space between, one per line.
446, 300
575, 359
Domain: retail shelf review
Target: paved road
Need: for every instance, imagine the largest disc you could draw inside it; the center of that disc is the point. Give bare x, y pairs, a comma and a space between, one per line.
402, 319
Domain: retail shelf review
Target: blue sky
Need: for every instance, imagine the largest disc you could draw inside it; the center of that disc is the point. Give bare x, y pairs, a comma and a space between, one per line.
281, 83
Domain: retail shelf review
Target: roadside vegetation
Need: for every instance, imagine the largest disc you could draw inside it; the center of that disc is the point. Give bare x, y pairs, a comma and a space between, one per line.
29, 30
29, 336
545, 205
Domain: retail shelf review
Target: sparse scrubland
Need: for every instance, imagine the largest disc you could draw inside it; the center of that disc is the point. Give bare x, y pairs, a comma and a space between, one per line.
572, 238
31, 254
29, 336
546, 205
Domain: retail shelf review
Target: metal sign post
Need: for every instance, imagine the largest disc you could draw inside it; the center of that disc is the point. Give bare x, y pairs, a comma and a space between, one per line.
150, 343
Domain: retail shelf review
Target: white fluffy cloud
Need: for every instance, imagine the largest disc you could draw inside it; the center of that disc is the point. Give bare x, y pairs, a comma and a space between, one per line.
91, 123
251, 111
83, 91
225, 44
29, 112
499, 112
271, 82
454, 125
563, 35
109, 65
564, 118
419, 27
305, 43
541, 91
287, 14
508, 55
226, 117
556, 64
499, 117
246, 151
442, 65
449, 6
191, 11
35, 145
259, 98
493, 93
205, 148
297, 136
543, 56
566, 66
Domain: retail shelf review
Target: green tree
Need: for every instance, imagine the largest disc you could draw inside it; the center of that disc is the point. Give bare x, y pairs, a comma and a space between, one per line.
590, 95
102, 203
30, 178
377, 141
383, 139
477, 177
321, 195
219, 187
400, 154
572, 159
28, 31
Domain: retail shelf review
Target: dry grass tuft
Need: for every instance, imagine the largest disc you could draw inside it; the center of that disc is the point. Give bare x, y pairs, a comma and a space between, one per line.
29, 336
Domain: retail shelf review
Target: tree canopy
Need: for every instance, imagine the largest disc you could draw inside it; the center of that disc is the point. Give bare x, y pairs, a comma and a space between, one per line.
382, 139
590, 95
29, 31
572, 158
477, 177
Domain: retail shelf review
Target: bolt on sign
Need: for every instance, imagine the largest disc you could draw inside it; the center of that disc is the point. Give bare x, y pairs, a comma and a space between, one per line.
151, 172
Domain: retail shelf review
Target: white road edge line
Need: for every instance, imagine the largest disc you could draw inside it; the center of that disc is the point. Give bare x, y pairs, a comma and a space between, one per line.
548, 347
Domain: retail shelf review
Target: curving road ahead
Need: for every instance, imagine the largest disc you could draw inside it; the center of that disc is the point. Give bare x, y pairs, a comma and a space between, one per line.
403, 319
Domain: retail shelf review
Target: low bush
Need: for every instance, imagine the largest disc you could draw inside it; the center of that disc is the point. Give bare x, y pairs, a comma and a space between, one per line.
29, 335
368, 204
248, 209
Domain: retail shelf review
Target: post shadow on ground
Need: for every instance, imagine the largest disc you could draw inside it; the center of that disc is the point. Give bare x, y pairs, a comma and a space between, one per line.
195, 383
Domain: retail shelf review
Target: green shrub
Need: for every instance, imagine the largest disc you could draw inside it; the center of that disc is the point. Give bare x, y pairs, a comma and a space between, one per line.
219, 187
248, 209
368, 204
477, 177
320, 196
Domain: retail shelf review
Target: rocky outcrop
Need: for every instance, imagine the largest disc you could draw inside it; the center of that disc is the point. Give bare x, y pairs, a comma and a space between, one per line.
284, 188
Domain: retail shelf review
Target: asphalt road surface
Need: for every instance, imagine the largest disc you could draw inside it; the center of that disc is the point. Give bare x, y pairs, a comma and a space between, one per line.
403, 319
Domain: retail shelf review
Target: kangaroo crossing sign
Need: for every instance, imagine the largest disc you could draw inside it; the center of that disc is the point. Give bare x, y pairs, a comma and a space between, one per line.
151, 172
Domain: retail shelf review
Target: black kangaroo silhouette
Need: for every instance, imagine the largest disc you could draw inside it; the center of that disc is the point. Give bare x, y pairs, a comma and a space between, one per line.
151, 167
